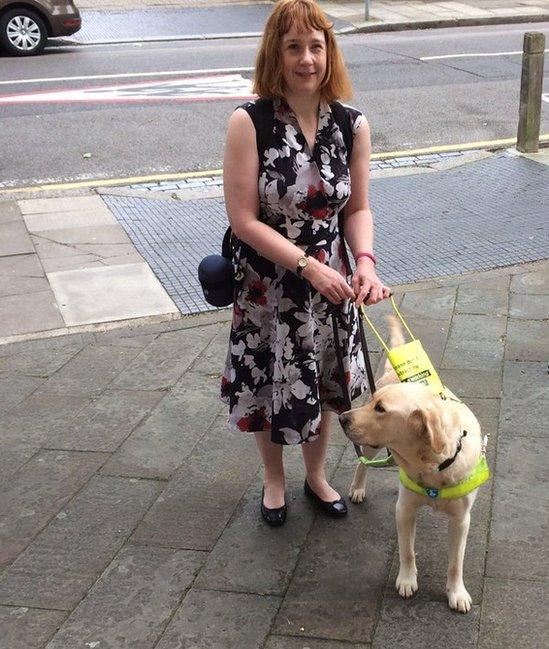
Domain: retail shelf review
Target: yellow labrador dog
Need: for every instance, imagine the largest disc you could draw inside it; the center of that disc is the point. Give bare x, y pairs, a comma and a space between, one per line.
438, 447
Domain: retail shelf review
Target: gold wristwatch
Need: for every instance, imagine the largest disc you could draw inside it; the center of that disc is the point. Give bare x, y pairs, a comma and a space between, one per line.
302, 264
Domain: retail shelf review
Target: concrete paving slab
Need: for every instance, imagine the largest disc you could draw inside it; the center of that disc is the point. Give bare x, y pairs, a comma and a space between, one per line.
284, 642
222, 620
132, 601
201, 498
85, 235
481, 301
29, 313
77, 218
165, 360
35, 494
89, 372
527, 627
106, 294
100, 257
527, 340
163, 442
27, 628
63, 204
429, 623
13, 456
518, 535
9, 211
476, 342
107, 421
41, 357
14, 239
529, 307
14, 388
434, 303
35, 419
472, 383
62, 563
525, 400
534, 283
21, 274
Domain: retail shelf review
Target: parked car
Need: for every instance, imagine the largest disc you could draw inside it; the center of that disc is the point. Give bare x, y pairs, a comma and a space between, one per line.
25, 25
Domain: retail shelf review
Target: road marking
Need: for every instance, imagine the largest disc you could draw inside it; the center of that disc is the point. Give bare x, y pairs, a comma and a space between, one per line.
229, 86
130, 75
471, 55
134, 180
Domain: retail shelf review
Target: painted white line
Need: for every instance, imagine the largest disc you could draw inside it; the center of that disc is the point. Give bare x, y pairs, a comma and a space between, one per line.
471, 55
228, 86
126, 75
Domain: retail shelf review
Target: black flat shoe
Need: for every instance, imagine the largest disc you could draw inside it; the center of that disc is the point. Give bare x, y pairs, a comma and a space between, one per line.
274, 517
336, 508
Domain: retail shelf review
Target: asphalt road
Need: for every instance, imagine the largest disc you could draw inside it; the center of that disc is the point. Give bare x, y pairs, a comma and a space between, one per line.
410, 102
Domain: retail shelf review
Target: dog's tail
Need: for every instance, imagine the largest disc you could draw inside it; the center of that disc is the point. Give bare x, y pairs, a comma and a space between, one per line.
396, 337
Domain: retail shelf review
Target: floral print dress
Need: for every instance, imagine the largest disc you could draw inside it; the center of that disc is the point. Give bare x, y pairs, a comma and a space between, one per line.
281, 370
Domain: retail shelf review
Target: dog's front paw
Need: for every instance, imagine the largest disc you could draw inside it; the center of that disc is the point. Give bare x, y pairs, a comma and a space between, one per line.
406, 583
357, 494
458, 598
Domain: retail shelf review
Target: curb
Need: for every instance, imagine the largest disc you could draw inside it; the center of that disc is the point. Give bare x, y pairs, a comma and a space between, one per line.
352, 29
448, 22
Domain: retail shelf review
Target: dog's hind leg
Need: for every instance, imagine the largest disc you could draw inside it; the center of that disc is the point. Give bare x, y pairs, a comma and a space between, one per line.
406, 513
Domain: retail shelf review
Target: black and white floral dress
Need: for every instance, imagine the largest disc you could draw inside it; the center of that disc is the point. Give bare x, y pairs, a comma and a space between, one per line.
281, 370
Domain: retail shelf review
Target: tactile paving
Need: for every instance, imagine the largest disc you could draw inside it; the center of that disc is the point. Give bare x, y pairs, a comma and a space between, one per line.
482, 215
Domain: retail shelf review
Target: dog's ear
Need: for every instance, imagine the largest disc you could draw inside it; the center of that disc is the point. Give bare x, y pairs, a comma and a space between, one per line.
427, 424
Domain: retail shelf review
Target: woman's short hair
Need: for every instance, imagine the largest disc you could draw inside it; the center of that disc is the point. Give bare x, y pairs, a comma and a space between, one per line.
305, 15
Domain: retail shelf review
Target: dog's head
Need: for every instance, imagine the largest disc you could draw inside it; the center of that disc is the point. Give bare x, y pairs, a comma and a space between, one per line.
405, 417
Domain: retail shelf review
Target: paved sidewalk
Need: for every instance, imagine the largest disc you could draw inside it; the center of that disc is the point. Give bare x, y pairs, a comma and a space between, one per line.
134, 20
129, 512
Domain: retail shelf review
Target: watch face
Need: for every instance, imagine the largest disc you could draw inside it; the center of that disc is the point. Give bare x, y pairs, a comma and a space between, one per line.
302, 262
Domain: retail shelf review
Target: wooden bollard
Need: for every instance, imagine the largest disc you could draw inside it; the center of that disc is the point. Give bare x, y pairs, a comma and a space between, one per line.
530, 92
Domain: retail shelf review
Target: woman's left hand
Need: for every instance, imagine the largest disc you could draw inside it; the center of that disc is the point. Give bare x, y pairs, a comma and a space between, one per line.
365, 283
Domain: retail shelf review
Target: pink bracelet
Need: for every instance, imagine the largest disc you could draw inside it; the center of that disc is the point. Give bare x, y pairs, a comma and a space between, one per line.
370, 255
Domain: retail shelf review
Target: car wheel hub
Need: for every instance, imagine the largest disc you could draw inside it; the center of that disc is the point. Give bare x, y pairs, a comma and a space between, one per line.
23, 33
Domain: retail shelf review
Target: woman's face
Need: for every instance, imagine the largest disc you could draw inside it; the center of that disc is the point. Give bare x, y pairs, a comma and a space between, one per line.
303, 61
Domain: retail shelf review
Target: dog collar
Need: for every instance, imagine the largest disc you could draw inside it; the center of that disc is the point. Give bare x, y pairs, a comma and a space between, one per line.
478, 476
450, 460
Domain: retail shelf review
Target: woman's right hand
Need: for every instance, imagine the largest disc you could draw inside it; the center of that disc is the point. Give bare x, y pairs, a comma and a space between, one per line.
327, 281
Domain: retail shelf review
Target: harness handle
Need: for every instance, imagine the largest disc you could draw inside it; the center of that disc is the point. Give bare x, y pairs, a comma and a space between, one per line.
376, 333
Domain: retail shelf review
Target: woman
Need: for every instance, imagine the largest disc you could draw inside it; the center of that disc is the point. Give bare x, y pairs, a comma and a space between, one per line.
281, 378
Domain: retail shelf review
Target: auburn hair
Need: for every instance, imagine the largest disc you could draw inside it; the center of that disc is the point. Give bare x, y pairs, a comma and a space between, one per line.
306, 15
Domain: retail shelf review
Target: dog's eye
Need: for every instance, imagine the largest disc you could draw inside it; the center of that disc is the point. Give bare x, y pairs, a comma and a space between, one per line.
379, 408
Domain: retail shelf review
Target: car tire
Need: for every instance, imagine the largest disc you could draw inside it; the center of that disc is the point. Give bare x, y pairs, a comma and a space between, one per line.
22, 32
